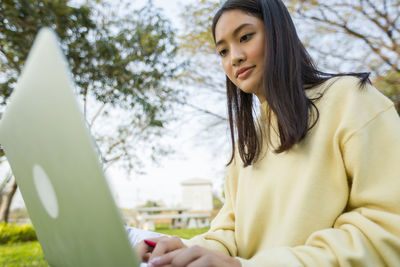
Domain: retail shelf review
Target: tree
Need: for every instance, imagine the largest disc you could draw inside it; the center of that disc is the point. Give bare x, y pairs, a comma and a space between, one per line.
197, 43
354, 35
390, 86
121, 64
217, 201
204, 73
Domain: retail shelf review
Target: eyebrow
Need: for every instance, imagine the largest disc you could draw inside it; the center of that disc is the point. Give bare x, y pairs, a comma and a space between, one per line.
235, 32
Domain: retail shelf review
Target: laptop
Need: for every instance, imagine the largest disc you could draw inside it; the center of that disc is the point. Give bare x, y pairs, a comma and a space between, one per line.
57, 168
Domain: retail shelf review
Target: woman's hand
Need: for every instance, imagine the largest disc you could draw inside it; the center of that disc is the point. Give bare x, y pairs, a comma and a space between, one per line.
164, 245
195, 256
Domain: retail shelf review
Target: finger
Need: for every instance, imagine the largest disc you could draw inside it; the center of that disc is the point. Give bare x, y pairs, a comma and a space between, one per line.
204, 261
166, 245
142, 249
164, 260
146, 257
189, 255
214, 259
180, 257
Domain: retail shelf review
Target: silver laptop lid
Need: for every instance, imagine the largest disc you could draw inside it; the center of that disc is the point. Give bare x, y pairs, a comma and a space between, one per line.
54, 160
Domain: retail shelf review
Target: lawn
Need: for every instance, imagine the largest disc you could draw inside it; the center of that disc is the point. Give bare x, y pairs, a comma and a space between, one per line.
30, 253
183, 233
22, 254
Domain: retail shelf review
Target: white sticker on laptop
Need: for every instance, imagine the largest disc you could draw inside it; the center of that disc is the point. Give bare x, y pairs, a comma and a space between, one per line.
45, 190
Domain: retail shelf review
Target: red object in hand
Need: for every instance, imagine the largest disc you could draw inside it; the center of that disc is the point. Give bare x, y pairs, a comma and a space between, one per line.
150, 243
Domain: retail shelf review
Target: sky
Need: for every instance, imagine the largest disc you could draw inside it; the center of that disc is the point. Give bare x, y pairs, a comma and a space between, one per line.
193, 157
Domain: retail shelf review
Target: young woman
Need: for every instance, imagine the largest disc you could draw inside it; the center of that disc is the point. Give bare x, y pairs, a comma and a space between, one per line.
314, 179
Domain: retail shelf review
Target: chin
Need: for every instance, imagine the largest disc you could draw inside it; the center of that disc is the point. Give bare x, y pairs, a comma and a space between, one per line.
247, 89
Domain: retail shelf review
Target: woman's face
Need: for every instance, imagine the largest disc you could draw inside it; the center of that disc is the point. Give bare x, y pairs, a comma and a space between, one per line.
240, 42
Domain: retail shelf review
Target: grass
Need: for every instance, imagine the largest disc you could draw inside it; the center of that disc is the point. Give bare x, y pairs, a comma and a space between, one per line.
22, 254
183, 233
30, 253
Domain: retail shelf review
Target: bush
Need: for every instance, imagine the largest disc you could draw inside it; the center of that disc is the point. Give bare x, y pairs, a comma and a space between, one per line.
10, 233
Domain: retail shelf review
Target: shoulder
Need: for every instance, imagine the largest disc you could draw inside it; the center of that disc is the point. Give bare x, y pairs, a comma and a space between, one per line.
349, 89
347, 98
346, 105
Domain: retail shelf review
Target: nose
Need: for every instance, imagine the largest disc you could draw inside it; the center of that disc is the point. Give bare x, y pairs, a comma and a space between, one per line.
237, 56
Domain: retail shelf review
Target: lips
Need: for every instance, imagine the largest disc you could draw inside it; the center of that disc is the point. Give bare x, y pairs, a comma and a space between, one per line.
244, 72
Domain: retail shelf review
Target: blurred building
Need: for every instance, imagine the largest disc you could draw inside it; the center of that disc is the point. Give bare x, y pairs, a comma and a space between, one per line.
197, 194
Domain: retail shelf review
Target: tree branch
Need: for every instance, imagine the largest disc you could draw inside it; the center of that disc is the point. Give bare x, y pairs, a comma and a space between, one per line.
111, 160
358, 35
110, 149
342, 57
385, 30
337, 14
203, 110
385, 7
97, 115
384, 15
377, 11
371, 45
15, 65
85, 102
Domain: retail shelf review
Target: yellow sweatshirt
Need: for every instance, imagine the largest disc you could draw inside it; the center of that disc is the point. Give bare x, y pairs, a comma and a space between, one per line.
331, 200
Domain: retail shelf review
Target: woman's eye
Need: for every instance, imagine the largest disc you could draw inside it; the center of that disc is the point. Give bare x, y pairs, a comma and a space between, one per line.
222, 52
245, 37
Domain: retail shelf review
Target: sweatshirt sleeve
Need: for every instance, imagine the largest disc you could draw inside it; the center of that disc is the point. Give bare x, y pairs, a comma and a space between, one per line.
221, 236
367, 233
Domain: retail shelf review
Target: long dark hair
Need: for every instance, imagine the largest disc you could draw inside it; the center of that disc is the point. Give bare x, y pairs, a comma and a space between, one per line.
288, 68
